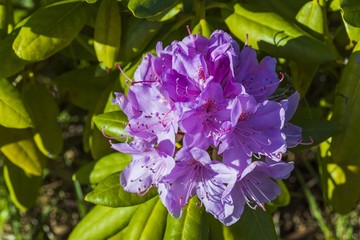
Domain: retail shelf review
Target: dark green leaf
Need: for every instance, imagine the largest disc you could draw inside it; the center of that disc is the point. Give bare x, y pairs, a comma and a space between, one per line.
149, 8
112, 123
96, 171
344, 171
10, 63
23, 187
284, 198
281, 38
168, 14
253, 224
148, 221
83, 88
191, 225
12, 109
302, 75
351, 12
38, 39
48, 134
110, 193
136, 36
107, 32
102, 222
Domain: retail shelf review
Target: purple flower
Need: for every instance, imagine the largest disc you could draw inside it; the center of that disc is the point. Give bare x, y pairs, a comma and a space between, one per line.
255, 185
148, 166
199, 96
196, 174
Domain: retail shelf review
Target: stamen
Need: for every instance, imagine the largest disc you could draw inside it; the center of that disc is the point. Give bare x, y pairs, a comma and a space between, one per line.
127, 78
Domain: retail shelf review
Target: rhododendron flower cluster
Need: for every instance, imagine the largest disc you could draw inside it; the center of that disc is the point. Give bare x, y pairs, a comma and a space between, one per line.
202, 123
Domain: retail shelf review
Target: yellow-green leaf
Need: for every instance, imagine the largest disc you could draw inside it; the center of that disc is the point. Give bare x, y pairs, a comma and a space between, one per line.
107, 32
23, 187
50, 29
12, 110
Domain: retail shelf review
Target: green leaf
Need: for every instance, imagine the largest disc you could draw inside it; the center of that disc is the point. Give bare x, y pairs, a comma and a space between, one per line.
110, 193
83, 88
23, 187
203, 28
191, 225
107, 32
96, 171
281, 38
351, 12
12, 109
148, 221
302, 75
253, 224
102, 222
10, 63
344, 148
48, 134
20, 148
168, 14
311, 16
136, 36
284, 198
149, 8
316, 131
38, 39
112, 123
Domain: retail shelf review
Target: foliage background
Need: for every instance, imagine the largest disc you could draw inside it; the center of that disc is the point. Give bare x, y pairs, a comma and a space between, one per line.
57, 76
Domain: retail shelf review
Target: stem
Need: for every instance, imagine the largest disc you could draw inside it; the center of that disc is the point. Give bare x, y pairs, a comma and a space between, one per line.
6, 19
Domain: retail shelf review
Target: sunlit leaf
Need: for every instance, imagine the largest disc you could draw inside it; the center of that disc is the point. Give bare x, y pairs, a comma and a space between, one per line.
38, 38
19, 147
23, 187
203, 28
191, 225
253, 224
110, 193
311, 16
112, 123
281, 38
102, 222
148, 221
149, 8
107, 32
96, 171
12, 109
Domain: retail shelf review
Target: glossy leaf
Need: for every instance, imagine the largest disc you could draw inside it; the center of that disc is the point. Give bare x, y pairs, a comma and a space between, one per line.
136, 36
253, 224
311, 16
144, 9
148, 221
23, 187
112, 123
168, 14
107, 32
39, 39
20, 148
110, 193
12, 109
351, 11
191, 225
96, 171
48, 134
281, 38
102, 222
344, 149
